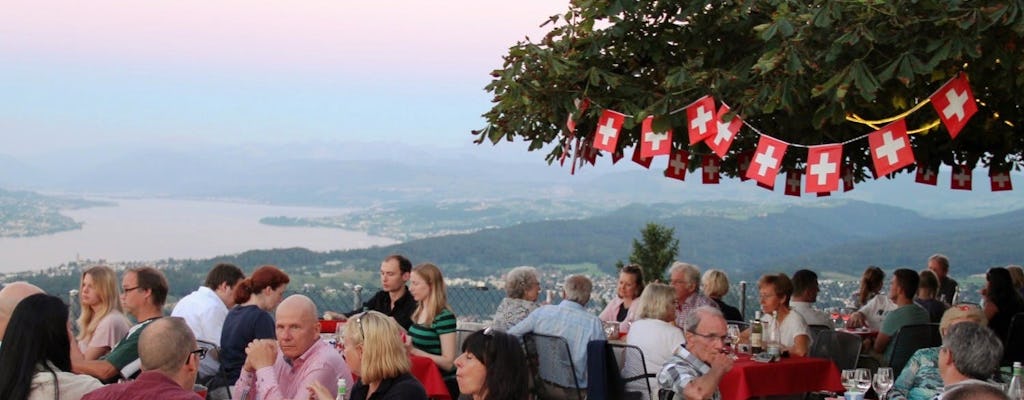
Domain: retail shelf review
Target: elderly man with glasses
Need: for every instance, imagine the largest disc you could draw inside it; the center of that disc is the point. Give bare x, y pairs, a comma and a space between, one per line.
969, 355
168, 366
698, 366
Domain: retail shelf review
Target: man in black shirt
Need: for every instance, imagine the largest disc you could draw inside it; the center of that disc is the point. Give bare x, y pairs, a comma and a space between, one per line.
939, 264
394, 298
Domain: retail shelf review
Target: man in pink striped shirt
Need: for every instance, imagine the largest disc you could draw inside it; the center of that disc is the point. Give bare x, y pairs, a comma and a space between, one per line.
285, 368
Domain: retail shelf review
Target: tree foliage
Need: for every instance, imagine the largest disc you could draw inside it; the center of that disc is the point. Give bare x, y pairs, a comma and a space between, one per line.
793, 69
655, 250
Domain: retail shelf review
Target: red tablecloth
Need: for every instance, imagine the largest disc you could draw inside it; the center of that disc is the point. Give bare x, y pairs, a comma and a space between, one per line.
426, 371
791, 375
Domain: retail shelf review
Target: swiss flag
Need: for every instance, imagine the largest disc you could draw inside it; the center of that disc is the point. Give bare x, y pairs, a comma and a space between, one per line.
616, 156
654, 143
927, 175
744, 163
767, 160
701, 119
639, 159
955, 104
824, 194
607, 134
823, 168
677, 164
962, 176
847, 178
1000, 180
890, 148
724, 132
710, 168
793, 182
582, 106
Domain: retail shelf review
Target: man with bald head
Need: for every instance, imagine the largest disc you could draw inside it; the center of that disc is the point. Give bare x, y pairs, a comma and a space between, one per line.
170, 359
10, 296
285, 368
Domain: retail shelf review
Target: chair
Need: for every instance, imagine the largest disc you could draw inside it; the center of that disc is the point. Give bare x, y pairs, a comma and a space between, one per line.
632, 368
813, 329
1014, 347
550, 359
910, 339
212, 353
840, 347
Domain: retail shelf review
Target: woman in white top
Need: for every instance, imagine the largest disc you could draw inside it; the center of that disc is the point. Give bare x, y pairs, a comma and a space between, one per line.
101, 324
654, 332
36, 354
776, 291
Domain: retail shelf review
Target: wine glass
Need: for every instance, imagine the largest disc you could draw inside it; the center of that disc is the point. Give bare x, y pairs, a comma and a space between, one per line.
339, 336
845, 315
849, 377
882, 382
734, 336
863, 378
834, 313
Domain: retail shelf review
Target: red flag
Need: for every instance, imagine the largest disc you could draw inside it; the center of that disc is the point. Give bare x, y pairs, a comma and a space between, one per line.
643, 161
654, 143
701, 121
927, 175
823, 168
607, 134
1000, 180
962, 176
724, 132
793, 182
767, 160
616, 156
955, 104
744, 164
847, 178
582, 106
771, 188
710, 168
890, 148
824, 194
677, 165
588, 152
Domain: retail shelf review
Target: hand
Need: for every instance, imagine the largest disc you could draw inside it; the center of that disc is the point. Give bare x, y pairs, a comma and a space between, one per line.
261, 353
331, 315
856, 320
721, 361
317, 391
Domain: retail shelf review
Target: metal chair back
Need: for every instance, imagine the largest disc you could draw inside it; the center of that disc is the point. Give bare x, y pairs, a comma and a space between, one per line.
910, 339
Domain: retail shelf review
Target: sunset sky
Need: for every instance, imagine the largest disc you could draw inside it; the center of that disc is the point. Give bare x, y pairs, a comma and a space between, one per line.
86, 73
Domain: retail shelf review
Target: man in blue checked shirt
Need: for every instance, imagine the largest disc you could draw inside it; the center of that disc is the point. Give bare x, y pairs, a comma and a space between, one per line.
698, 366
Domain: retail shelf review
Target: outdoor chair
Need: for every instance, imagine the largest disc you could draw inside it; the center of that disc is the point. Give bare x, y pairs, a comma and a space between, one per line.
910, 339
212, 352
840, 347
1013, 349
814, 329
550, 359
630, 360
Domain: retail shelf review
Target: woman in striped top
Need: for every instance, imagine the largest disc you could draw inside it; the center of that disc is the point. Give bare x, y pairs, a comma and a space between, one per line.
433, 328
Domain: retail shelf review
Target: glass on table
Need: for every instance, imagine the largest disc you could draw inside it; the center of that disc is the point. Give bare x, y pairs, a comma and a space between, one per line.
733, 331
882, 382
863, 378
849, 379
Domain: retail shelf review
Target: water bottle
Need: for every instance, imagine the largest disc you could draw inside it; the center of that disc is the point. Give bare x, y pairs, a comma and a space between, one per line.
1016, 389
756, 331
772, 339
342, 389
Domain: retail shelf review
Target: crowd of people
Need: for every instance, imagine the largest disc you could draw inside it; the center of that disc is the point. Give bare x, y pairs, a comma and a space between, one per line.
241, 338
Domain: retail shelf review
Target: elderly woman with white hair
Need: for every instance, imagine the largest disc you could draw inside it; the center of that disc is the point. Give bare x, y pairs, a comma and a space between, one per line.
522, 288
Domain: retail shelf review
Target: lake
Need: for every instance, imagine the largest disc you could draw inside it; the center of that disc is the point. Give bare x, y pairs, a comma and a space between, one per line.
154, 229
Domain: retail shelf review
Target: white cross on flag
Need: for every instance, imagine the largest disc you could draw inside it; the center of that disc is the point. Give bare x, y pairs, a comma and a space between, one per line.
607, 134
1000, 180
677, 165
962, 176
764, 167
654, 143
724, 133
823, 168
955, 104
710, 168
890, 148
927, 175
701, 121
793, 183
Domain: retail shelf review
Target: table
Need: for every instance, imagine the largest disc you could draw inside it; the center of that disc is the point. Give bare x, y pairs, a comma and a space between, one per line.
863, 333
427, 373
791, 375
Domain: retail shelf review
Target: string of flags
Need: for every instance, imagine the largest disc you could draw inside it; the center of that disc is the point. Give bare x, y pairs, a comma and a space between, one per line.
890, 146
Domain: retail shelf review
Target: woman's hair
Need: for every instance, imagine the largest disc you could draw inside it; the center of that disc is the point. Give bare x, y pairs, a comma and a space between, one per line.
1017, 273
263, 277
37, 335
870, 283
437, 300
781, 283
383, 351
638, 276
715, 283
655, 301
501, 354
960, 311
104, 284
1001, 291
928, 282
519, 280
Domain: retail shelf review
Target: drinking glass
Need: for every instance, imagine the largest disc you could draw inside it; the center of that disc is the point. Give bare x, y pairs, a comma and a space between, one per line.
849, 377
882, 382
834, 313
863, 378
846, 317
734, 336
339, 333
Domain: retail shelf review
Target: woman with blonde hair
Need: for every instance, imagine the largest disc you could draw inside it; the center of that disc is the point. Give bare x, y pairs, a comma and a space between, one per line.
920, 379
101, 324
375, 353
715, 284
654, 332
432, 333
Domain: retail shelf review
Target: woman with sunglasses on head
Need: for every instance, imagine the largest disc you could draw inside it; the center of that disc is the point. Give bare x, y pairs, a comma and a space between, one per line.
375, 352
492, 366
920, 378
36, 354
101, 324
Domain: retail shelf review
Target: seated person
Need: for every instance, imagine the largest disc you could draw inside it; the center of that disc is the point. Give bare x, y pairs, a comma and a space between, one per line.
697, 367
920, 378
655, 333
776, 291
901, 293
522, 288
969, 355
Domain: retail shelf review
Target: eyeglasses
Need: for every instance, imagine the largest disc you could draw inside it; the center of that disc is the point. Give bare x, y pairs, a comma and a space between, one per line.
200, 352
127, 290
712, 336
488, 331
